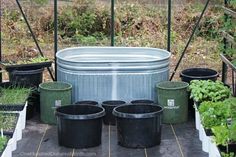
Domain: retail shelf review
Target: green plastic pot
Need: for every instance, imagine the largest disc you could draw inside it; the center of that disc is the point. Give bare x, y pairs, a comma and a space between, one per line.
53, 95
173, 97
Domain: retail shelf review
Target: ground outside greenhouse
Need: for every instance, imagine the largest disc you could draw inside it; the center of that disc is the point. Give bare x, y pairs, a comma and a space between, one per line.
40, 140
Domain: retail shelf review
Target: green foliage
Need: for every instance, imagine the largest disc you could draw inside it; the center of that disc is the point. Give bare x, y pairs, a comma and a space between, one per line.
232, 131
232, 103
11, 96
218, 113
38, 59
230, 26
40, 2
81, 19
221, 135
214, 113
231, 154
11, 15
232, 4
84, 23
207, 90
3, 142
211, 24
136, 24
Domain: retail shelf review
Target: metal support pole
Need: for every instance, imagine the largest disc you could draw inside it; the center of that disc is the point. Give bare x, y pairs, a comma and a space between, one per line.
190, 39
33, 36
55, 37
112, 22
224, 72
233, 83
0, 38
169, 26
224, 66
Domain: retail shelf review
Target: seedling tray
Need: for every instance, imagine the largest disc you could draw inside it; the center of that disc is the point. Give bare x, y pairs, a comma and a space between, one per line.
30, 66
11, 131
9, 107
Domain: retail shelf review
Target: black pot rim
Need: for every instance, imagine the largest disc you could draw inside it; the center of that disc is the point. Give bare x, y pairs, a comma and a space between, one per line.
88, 102
80, 117
182, 74
142, 101
137, 115
113, 103
27, 72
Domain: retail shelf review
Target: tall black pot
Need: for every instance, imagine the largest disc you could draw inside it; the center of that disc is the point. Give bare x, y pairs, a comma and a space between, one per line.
79, 126
26, 78
138, 126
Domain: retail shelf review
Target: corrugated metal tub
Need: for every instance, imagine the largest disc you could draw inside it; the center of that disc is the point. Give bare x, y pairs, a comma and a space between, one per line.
113, 73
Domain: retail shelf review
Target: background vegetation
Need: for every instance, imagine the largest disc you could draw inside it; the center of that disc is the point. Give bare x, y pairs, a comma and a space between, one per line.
137, 23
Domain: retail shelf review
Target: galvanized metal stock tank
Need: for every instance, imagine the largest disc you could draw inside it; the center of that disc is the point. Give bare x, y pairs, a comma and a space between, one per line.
113, 73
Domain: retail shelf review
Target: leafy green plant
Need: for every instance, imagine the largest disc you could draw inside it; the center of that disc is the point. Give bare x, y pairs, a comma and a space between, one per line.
38, 59
207, 90
12, 96
3, 142
221, 134
232, 132
225, 135
214, 113
232, 103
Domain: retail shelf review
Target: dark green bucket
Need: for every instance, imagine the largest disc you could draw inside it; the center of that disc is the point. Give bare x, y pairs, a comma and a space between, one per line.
173, 97
52, 95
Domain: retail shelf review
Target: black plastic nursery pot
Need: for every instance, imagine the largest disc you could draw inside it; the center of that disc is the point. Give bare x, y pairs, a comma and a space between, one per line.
79, 126
142, 101
87, 102
231, 148
28, 66
109, 119
26, 78
33, 104
6, 85
190, 74
138, 126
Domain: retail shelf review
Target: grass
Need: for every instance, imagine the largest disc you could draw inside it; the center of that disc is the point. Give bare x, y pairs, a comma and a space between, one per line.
7, 121
3, 142
13, 96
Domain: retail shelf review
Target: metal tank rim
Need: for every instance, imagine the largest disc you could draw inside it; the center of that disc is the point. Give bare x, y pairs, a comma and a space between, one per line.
167, 53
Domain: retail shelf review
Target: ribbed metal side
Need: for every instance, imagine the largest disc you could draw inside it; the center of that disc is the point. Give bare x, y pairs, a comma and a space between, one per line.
130, 74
